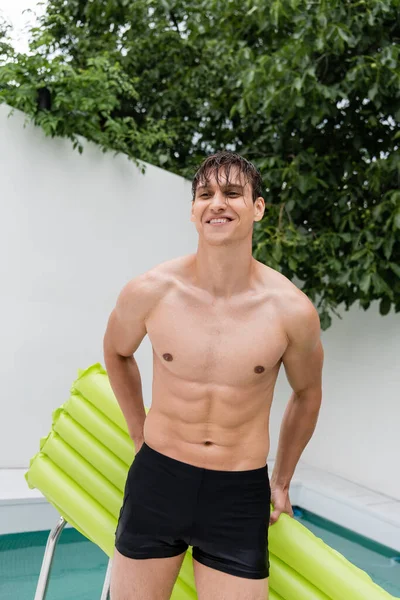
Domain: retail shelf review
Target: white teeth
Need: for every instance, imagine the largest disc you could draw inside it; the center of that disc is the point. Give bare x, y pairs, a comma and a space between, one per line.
219, 221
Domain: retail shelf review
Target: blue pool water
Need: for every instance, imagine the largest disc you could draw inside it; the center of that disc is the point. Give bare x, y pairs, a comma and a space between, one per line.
79, 566
78, 571
381, 563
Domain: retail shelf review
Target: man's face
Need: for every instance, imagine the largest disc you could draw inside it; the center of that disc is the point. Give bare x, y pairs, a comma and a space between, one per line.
232, 199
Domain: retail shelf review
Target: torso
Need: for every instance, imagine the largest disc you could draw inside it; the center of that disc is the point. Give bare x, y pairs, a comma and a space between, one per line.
215, 365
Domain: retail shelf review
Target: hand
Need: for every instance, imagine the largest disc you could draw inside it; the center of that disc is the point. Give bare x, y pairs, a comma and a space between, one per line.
281, 503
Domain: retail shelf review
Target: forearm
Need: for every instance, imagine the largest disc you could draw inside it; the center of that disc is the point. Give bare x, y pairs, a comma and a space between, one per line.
297, 427
126, 384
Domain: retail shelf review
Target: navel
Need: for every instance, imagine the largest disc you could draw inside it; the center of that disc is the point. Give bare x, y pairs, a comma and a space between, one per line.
259, 369
167, 357
207, 443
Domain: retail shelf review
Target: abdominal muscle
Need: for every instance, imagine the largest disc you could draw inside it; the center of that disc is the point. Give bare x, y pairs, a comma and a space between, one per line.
221, 429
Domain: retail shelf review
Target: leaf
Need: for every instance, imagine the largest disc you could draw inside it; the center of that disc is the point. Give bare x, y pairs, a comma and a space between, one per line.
344, 277
388, 246
303, 182
384, 306
344, 35
325, 320
251, 11
277, 252
395, 268
380, 284
290, 205
345, 236
292, 264
357, 255
365, 282
373, 91
365, 304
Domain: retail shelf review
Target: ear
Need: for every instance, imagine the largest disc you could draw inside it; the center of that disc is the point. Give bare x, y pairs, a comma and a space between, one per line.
259, 208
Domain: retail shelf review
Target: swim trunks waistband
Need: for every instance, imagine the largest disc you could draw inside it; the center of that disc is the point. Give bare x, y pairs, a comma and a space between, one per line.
187, 467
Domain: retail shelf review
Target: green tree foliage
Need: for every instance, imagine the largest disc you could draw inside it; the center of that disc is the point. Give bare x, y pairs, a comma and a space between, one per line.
307, 90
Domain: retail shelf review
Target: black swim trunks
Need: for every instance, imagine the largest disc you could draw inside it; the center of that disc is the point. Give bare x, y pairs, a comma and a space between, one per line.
170, 505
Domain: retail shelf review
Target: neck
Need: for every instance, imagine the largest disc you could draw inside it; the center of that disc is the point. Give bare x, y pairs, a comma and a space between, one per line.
224, 270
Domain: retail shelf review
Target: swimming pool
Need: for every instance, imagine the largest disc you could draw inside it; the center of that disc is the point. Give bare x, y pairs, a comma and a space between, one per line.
78, 571
79, 566
380, 562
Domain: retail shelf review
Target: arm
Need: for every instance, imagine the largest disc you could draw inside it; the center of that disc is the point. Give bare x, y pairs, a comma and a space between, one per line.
125, 331
303, 361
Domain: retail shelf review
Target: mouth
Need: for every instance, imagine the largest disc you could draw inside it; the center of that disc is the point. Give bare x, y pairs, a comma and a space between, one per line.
219, 223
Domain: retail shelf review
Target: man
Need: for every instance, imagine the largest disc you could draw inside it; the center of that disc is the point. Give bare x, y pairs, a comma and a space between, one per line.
221, 324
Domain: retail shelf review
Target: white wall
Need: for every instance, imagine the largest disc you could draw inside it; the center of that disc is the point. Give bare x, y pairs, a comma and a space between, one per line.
358, 432
74, 229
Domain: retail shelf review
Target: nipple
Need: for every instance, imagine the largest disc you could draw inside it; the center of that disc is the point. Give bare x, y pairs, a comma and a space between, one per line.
259, 369
167, 356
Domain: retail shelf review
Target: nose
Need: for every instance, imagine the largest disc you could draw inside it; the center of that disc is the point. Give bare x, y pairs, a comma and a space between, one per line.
218, 200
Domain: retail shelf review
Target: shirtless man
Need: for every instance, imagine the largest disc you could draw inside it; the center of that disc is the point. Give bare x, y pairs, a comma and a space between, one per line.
221, 324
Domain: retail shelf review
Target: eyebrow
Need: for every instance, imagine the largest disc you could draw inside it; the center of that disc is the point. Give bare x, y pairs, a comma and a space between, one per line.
223, 187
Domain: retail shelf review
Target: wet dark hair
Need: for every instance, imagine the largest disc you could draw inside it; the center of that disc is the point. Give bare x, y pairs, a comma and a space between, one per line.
224, 161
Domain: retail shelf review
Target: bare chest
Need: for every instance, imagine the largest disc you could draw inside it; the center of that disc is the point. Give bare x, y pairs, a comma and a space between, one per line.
227, 344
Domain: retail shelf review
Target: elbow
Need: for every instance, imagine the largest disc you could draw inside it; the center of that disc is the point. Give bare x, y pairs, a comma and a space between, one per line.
310, 398
109, 352
112, 356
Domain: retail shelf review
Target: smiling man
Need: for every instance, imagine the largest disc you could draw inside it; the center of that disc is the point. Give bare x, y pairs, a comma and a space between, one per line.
221, 325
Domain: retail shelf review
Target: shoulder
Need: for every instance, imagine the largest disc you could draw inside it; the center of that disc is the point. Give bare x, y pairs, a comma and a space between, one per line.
150, 286
299, 317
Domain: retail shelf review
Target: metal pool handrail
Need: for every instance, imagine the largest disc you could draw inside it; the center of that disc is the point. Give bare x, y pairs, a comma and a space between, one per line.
47, 563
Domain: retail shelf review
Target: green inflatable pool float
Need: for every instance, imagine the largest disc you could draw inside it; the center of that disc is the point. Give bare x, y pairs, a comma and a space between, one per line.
82, 467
